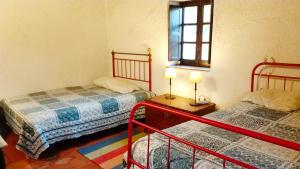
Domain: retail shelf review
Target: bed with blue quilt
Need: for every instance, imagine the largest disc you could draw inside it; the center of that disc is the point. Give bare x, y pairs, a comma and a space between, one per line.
260, 154
44, 118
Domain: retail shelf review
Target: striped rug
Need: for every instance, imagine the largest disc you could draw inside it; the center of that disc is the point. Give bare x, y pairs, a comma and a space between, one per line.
108, 153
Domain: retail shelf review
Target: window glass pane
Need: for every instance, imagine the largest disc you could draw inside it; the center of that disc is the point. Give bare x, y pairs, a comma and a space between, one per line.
190, 14
189, 51
206, 13
205, 33
189, 33
204, 53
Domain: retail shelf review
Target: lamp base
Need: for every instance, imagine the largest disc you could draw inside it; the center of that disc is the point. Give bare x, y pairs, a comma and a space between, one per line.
170, 97
195, 104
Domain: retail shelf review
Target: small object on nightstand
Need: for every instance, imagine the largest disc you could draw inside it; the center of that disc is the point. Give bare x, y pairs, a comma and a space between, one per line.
195, 77
162, 120
170, 74
203, 100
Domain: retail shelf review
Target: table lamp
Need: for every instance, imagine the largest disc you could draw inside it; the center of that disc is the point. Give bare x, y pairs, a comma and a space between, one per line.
195, 77
170, 74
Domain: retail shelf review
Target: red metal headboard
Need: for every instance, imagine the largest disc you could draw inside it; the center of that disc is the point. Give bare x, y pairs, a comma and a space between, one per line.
133, 69
270, 76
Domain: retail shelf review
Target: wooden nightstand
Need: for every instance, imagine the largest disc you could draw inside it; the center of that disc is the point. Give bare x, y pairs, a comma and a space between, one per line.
162, 120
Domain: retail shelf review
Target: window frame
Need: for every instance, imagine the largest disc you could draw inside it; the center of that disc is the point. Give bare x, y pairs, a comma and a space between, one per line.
197, 62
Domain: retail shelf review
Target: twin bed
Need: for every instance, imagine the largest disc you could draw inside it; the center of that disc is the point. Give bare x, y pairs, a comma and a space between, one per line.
260, 154
46, 117
247, 135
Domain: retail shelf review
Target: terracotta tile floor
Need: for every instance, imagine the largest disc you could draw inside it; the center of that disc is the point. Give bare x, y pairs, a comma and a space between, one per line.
66, 154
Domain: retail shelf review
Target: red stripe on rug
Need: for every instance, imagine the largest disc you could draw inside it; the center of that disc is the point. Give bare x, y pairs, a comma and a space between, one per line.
110, 155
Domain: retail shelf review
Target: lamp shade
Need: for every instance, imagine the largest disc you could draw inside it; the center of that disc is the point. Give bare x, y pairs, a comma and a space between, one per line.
170, 73
195, 77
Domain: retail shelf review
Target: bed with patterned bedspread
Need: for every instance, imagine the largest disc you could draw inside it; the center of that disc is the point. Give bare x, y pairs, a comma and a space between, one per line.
47, 117
261, 154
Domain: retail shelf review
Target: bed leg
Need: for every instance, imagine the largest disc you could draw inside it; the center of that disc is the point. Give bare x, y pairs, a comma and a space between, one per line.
52, 150
51, 153
2, 160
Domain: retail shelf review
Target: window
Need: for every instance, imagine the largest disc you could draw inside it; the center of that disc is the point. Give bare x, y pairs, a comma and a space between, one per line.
190, 32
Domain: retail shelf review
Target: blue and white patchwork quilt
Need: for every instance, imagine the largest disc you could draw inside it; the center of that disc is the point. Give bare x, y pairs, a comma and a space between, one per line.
46, 117
285, 125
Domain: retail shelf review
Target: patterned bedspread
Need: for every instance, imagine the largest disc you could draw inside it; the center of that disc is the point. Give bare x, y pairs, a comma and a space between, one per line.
47, 117
247, 115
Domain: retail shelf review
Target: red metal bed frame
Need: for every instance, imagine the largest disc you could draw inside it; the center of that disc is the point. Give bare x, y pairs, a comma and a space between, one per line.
253, 134
270, 76
133, 69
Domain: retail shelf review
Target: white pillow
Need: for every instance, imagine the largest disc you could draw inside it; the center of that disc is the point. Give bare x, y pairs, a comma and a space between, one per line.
117, 85
275, 99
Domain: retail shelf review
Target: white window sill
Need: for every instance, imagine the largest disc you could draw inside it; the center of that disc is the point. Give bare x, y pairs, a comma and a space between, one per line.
189, 67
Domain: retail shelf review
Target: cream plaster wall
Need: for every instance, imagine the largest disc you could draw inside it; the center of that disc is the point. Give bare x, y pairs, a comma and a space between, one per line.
46, 44
245, 31
55, 43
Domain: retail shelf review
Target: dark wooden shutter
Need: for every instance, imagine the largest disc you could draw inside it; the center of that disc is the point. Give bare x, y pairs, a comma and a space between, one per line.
175, 32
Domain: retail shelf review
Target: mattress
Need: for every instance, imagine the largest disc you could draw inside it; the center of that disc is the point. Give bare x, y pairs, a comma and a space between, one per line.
46, 117
285, 125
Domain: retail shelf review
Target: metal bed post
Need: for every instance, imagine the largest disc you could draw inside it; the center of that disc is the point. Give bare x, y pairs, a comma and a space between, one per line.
113, 63
150, 69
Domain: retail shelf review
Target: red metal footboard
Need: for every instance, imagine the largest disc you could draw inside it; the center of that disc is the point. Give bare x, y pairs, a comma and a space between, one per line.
256, 135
